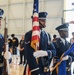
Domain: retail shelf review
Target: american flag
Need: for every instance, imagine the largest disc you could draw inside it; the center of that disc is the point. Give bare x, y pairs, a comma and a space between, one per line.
35, 34
35, 29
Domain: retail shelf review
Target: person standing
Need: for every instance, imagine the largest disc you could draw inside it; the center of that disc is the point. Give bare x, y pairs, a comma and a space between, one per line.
15, 43
22, 52
6, 55
46, 49
1, 53
72, 65
54, 38
62, 45
1, 46
10, 44
10, 47
72, 39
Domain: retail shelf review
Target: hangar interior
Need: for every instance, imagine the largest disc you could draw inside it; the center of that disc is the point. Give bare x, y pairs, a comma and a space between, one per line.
18, 15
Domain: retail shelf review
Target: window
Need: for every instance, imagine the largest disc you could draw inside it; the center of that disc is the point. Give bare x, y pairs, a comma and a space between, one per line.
69, 15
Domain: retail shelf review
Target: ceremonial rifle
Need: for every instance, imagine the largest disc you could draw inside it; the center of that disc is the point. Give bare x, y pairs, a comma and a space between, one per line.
6, 62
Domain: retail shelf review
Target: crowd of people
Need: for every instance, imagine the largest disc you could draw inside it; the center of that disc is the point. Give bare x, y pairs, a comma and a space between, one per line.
17, 46
39, 61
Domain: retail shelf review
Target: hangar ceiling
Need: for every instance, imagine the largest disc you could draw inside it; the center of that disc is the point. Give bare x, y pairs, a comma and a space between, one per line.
18, 15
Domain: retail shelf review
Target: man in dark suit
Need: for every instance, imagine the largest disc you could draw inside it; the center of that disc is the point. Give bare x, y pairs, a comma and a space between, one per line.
46, 49
15, 43
62, 45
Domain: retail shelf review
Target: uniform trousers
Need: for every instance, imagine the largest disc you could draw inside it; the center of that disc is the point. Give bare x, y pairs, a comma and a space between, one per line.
1, 70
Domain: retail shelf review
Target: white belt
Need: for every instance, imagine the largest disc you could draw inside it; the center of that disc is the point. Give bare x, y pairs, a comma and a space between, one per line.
34, 69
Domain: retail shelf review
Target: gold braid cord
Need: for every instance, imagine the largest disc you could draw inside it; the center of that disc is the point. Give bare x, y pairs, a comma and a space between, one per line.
52, 69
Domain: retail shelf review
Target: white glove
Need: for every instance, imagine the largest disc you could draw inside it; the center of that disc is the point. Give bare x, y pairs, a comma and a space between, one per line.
40, 53
2, 53
7, 55
65, 58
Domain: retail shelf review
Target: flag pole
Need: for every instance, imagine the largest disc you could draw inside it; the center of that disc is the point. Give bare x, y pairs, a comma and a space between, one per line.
6, 62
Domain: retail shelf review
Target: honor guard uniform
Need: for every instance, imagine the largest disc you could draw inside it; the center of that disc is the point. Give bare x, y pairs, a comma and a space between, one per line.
1, 53
1, 46
72, 39
72, 65
62, 45
45, 53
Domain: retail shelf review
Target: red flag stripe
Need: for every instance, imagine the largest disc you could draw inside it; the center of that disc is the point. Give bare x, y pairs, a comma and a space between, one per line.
36, 28
36, 37
72, 22
35, 19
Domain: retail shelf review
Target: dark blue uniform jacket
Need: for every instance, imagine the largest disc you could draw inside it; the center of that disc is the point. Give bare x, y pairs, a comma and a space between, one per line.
1, 47
60, 49
43, 46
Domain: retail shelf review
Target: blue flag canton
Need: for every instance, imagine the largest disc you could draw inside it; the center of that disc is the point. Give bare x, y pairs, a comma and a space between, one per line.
35, 6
